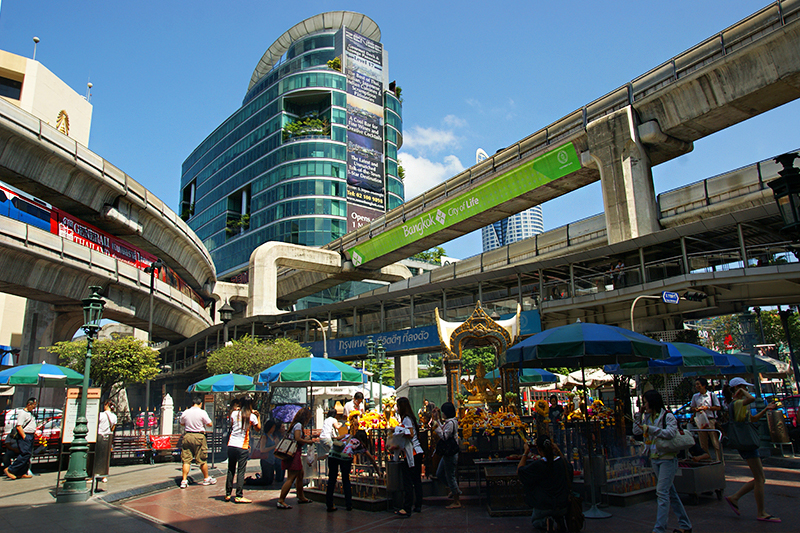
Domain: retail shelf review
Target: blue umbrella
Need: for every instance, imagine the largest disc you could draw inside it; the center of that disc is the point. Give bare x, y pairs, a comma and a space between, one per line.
690, 359
528, 376
584, 344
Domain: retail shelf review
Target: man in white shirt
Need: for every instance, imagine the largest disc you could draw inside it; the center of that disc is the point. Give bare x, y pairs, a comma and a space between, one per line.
707, 403
26, 427
356, 404
195, 421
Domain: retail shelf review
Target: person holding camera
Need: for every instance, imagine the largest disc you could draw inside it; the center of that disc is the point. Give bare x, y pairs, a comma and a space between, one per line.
547, 481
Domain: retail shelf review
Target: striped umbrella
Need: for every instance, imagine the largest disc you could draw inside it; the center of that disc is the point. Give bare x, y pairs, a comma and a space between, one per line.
223, 383
42, 374
310, 371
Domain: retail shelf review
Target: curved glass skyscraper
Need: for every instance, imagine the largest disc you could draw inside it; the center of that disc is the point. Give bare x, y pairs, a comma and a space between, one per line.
312, 152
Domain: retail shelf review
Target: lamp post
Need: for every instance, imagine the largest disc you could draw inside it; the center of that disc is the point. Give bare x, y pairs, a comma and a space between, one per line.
371, 355
378, 353
785, 314
226, 315
153, 269
75, 489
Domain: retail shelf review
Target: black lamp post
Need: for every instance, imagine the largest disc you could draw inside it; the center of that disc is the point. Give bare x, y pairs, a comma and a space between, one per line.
378, 353
226, 315
786, 189
75, 489
153, 269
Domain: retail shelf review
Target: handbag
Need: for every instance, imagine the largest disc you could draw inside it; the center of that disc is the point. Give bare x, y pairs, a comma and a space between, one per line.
742, 436
701, 420
681, 441
286, 449
447, 447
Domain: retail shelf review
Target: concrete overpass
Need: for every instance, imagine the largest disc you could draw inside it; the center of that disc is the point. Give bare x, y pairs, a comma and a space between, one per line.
38, 159
746, 69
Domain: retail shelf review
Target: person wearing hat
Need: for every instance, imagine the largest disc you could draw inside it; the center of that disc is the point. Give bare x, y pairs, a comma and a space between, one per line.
740, 412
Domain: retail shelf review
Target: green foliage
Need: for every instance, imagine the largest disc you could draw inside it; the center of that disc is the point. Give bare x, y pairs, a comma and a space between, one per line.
688, 335
433, 256
116, 362
335, 63
397, 92
401, 172
235, 225
471, 357
250, 355
386, 374
435, 367
306, 126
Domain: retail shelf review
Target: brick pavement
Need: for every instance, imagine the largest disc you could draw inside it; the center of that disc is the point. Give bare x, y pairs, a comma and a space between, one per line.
146, 498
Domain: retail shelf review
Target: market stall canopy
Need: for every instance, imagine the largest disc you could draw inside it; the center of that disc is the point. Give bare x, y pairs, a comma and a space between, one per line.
584, 344
529, 376
690, 359
595, 378
339, 391
223, 383
310, 371
42, 374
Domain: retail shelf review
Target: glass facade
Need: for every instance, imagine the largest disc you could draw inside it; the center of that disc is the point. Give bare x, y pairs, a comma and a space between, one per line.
512, 229
277, 168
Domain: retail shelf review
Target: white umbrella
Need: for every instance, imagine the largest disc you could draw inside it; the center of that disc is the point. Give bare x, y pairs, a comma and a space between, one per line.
594, 378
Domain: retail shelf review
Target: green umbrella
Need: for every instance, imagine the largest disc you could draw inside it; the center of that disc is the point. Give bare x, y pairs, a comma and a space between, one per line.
310, 371
528, 376
223, 383
42, 374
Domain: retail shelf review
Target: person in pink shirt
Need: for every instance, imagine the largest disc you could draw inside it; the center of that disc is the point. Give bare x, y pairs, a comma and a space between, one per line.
195, 420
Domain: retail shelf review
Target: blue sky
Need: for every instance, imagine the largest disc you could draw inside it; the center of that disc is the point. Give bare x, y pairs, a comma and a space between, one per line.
165, 74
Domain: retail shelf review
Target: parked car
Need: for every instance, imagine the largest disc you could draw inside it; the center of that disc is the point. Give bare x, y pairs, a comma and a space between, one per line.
9, 416
48, 434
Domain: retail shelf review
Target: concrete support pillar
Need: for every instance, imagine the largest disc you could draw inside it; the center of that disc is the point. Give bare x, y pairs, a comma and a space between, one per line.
625, 174
405, 367
44, 326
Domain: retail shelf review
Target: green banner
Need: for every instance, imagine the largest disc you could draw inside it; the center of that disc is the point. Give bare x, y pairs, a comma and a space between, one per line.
550, 166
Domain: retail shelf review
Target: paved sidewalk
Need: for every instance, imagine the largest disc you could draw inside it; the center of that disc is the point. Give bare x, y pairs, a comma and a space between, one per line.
145, 498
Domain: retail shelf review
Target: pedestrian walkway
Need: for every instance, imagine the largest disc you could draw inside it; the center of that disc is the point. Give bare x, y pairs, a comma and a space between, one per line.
143, 498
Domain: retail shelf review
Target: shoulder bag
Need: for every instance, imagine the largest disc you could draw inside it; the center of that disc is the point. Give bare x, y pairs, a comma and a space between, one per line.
285, 449
681, 441
742, 436
447, 447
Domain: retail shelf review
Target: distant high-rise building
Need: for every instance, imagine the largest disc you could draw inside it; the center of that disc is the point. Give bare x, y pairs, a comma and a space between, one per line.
514, 228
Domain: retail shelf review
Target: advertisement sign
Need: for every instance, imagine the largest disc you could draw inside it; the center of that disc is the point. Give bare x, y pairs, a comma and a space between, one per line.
362, 63
71, 414
550, 166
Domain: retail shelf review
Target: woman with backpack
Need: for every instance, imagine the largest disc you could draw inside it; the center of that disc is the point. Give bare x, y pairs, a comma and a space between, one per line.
447, 448
658, 422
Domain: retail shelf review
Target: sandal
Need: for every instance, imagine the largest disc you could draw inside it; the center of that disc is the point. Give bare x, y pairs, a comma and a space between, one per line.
242, 499
301, 502
734, 507
769, 518
281, 505
401, 514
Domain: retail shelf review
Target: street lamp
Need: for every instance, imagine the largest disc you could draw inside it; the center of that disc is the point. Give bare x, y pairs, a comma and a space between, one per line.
226, 315
75, 489
378, 353
786, 190
153, 269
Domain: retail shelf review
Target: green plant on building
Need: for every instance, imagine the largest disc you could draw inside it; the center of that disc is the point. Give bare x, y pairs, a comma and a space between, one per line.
306, 126
187, 212
397, 91
237, 225
335, 63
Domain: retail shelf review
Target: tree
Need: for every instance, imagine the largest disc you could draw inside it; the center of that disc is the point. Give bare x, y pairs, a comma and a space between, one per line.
471, 357
434, 255
250, 355
116, 362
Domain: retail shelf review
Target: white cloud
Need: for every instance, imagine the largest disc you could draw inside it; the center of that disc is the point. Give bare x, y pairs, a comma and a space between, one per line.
423, 174
429, 140
454, 121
